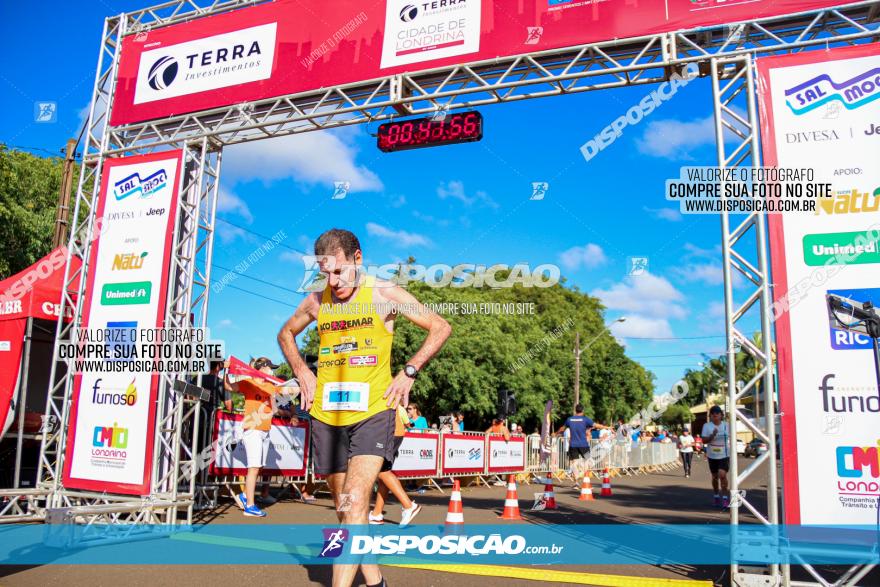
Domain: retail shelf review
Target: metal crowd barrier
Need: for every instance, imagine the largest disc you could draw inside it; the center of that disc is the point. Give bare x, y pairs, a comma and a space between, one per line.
618, 456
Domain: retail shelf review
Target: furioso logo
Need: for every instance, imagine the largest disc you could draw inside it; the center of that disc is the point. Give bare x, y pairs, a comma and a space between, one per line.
162, 73
334, 541
134, 184
409, 13
852, 93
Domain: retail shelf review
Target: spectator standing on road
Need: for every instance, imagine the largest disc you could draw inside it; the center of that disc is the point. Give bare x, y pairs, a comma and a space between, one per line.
686, 447
459, 421
716, 438
498, 427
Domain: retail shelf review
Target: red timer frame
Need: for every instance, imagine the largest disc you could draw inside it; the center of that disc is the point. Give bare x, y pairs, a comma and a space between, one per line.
461, 127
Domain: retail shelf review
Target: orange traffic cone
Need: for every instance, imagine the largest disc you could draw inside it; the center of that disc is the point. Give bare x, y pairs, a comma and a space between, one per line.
549, 497
586, 489
511, 501
606, 484
455, 513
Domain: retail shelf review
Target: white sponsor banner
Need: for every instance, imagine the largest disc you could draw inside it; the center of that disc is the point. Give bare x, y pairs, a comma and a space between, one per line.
418, 31
506, 456
417, 455
463, 454
111, 431
285, 456
819, 111
219, 61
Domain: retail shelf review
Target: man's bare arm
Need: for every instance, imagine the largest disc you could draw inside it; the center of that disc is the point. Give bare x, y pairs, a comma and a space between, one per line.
305, 314
438, 328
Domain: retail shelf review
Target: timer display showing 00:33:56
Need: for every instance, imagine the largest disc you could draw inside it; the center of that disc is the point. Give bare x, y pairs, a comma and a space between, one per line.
462, 127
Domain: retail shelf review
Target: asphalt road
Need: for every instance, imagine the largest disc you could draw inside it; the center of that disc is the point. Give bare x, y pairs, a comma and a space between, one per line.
658, 498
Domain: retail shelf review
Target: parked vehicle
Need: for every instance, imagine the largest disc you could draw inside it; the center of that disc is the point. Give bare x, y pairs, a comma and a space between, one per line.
755, 448
740, 447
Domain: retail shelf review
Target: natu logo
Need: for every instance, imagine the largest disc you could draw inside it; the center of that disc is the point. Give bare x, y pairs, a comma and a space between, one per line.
852, 93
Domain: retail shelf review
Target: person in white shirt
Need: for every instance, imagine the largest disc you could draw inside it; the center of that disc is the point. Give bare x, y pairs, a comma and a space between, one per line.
716, 438
686, 448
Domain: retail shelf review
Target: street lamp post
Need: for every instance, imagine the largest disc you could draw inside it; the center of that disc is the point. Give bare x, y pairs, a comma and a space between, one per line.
577, 356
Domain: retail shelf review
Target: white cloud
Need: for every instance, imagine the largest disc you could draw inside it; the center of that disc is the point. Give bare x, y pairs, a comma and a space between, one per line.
406, 239
676, 139
228, 202
646, 295
708, 273
715, 310
229, 233
695, 251
224, 323
590, 256
320, 157
294, 257
642, 327
670, 214
455, 190
430, 219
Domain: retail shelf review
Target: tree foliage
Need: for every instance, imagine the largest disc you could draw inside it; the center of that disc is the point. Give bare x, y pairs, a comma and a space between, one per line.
531, 355
29, 187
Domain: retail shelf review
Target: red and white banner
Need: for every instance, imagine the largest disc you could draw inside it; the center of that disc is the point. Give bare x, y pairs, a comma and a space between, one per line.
293, 46
463, 454
820, 110
418, 455
110, 436
288, 447
506, 456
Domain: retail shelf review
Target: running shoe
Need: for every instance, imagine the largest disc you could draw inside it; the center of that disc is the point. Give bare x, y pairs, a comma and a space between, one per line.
254, 512
406, 516
376, 520
240, 500
716, 501
725, 502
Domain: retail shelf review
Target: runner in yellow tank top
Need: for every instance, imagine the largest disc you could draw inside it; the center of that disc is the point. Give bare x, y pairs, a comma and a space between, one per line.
354, 397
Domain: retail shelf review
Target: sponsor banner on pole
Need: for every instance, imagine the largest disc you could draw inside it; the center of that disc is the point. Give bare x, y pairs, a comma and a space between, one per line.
287, 452
463, 454
417, 456
507, 456
110, 435
291, 46
820, 109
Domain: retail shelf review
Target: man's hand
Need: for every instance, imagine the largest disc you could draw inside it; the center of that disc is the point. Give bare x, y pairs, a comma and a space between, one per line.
398, 392
307, 384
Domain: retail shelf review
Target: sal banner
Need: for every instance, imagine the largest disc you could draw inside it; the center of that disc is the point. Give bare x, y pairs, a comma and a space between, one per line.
292, 46
110, 436
820, 110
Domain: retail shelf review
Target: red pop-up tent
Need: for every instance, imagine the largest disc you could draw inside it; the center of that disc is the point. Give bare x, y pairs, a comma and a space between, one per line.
29, 298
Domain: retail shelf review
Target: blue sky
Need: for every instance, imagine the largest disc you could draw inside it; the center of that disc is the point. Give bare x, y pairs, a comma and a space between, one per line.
456, 204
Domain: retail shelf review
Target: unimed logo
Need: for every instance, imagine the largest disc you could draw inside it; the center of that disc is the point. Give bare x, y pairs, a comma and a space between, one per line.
334, 542
124, 294
842, 248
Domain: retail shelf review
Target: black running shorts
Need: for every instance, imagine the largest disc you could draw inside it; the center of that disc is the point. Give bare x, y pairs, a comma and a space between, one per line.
333, 446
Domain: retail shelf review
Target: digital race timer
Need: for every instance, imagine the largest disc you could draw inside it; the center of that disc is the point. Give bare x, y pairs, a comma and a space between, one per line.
461, 127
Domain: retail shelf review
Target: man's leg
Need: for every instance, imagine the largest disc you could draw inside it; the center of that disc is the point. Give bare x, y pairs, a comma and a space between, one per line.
362, 473
722, 476
335, 482
250, 484
390, 482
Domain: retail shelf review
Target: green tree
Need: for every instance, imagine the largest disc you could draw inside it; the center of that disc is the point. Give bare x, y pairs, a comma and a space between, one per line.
676, 416
29, 187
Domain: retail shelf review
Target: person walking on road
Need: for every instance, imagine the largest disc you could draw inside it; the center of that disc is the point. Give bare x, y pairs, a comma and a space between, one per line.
353, 400
686, 447
716, 438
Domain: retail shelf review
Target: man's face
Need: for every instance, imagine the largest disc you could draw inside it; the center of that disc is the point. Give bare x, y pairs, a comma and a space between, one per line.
342, 273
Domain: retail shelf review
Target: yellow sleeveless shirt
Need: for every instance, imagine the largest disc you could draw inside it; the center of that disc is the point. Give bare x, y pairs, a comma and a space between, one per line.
354, 359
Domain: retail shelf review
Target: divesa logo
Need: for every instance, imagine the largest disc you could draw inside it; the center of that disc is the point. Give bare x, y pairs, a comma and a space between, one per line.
816, 91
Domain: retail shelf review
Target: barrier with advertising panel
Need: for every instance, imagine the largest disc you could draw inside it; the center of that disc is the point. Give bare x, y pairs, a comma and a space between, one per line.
820, 110
418, 455
110, 436
463, 454
506, 456
291, 46
287, 451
